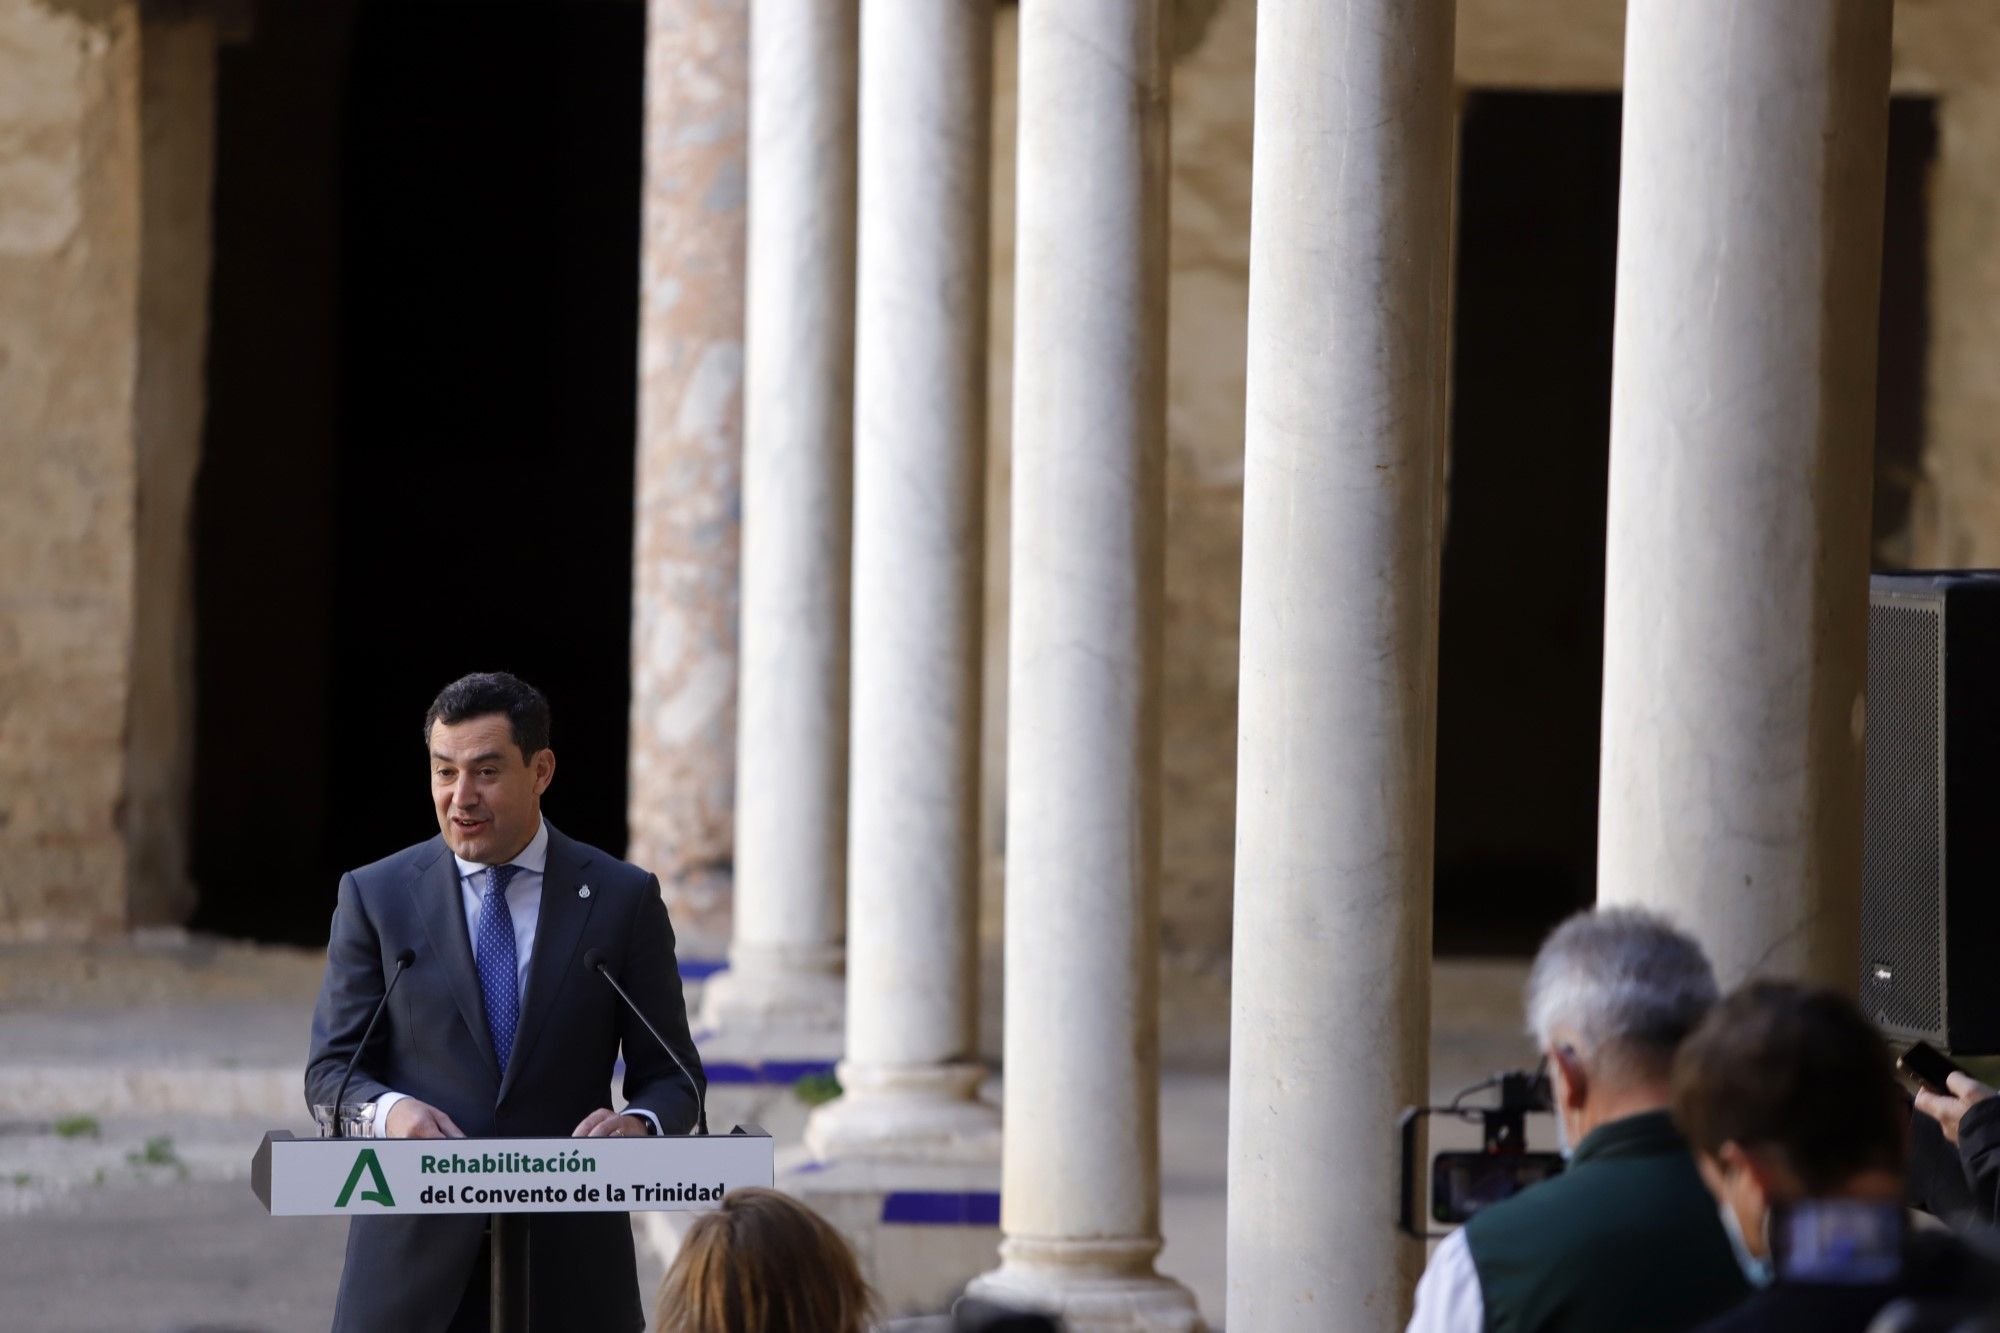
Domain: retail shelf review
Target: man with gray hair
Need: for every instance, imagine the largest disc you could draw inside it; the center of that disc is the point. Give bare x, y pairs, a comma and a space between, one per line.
1627, 1237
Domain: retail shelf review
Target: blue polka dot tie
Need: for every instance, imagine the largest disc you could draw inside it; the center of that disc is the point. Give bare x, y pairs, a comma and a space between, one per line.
493, 952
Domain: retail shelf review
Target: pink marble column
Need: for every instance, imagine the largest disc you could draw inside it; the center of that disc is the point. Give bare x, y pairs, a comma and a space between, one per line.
683, 764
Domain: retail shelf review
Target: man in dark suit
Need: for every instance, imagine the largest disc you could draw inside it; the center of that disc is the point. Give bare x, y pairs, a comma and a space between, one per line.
497, 1029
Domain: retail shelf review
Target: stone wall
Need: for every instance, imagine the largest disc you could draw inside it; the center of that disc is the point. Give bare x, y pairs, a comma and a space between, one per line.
104, 162
1953, 50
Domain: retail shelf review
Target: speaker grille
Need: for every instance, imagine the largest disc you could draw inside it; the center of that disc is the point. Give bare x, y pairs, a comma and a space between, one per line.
1902, 867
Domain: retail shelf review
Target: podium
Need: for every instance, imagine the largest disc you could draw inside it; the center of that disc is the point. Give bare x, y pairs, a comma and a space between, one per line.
505, 1180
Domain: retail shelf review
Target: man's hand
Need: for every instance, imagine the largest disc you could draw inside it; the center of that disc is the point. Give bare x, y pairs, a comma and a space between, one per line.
1949, 1108
412, 1119
604, 1124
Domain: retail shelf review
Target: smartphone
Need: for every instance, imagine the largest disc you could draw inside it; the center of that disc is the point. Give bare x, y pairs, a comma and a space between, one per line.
1928, 1066
1462, 1183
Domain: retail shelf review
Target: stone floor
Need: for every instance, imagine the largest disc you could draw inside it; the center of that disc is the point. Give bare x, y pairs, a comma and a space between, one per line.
136, 1080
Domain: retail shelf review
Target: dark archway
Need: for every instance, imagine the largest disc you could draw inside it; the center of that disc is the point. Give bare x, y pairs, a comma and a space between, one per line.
420, 449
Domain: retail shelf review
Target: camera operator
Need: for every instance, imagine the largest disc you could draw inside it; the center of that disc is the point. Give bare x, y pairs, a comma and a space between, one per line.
1626, 1238
1790, 1101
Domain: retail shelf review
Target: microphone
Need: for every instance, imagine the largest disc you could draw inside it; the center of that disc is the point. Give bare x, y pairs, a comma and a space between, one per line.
594, 960
403, 960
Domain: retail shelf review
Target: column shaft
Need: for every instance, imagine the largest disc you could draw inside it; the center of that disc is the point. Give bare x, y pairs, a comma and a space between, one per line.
919, 441
684, 576
1081, 1166
1742, 427
1344, 438
791, 795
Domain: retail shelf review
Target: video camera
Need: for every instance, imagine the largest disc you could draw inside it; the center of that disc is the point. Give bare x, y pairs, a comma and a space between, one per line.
1462, 1183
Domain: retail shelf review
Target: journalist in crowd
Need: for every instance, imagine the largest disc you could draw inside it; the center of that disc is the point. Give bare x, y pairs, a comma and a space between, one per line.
1626, 1238
1791, 1103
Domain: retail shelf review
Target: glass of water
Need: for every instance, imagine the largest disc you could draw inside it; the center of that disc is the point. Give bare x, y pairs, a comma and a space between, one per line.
355, 1120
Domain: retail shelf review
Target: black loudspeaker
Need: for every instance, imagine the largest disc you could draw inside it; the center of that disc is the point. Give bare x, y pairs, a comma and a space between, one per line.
1930, 878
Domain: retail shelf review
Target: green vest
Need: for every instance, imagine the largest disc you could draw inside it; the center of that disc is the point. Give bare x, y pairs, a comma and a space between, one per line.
1626, 1240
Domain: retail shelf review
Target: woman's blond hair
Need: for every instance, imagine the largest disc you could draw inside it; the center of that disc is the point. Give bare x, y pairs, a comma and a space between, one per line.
763, 1263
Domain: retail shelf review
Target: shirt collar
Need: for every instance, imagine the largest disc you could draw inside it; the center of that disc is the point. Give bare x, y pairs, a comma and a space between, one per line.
534, 857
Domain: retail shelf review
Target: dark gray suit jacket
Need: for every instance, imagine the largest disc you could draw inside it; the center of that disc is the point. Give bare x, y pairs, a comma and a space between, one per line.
408, 1273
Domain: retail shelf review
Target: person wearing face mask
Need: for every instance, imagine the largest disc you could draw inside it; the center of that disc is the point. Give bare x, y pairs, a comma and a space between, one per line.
1626, 1240
1789, 1098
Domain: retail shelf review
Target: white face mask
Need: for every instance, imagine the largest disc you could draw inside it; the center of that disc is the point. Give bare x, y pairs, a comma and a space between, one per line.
1563, 1145
1757, 1272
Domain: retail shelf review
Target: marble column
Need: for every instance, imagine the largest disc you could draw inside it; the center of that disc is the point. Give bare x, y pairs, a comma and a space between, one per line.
1742, 433
1080, 1198
684, 603
1345, 433
910, 1076
791, 754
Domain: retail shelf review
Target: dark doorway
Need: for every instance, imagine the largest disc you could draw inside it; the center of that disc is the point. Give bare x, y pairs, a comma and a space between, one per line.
1522, 623
1521, 642
420, 450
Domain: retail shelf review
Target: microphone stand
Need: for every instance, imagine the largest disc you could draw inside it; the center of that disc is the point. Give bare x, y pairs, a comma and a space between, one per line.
403, 960
594, 960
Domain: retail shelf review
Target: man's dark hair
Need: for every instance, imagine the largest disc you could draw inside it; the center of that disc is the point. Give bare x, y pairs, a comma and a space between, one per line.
487, 692
1797, 1069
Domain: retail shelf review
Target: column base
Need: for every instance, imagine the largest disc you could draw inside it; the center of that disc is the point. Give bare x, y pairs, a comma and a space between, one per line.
782, 989
1096, 1286
920, 1230
753, 1077
907, 1113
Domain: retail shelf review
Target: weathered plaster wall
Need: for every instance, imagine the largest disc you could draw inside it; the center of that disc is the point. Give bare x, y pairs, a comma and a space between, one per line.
1551, 44
1953, 49
69, 295
93, 507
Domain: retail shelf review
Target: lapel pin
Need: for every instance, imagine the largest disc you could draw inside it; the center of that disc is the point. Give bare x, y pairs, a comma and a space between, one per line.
583, 892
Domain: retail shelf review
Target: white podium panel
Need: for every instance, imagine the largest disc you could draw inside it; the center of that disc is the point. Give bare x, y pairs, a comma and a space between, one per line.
296, 1177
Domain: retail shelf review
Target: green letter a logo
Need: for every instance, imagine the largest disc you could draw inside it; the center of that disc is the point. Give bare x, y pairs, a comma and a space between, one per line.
380, 1194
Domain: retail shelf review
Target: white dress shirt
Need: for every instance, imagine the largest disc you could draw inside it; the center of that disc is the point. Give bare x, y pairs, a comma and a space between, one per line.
524, 905
1448, 1297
